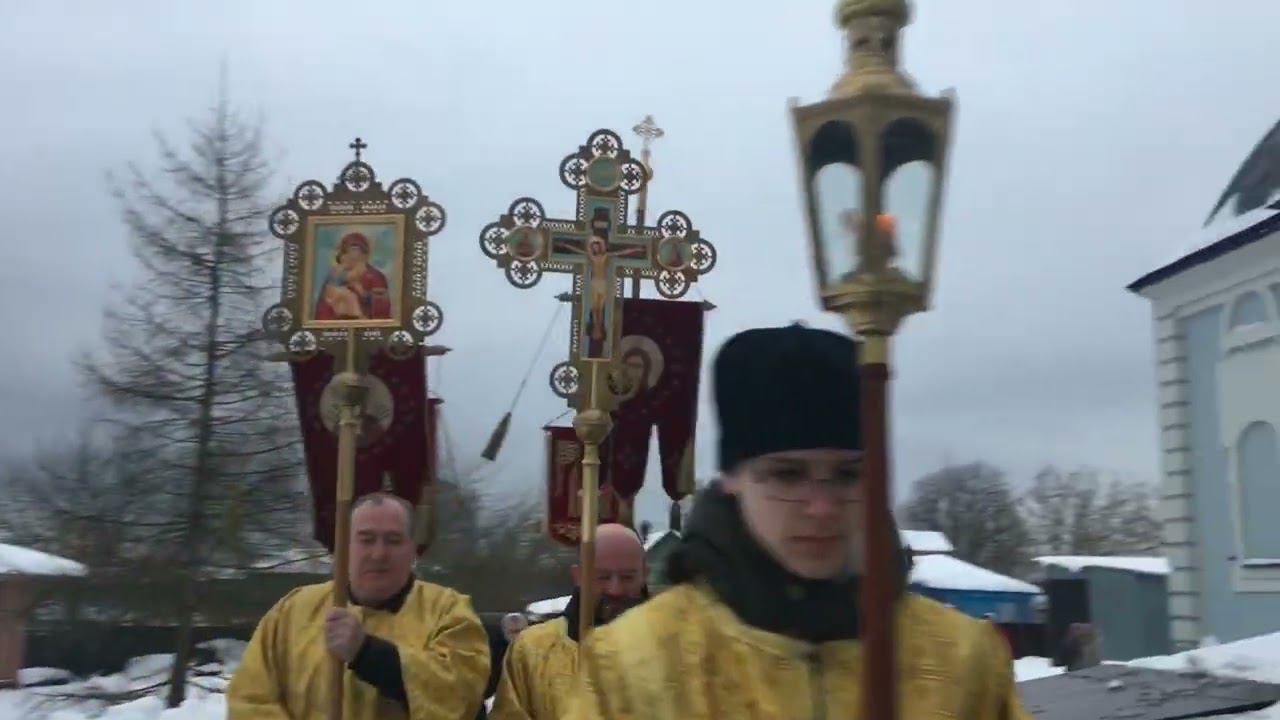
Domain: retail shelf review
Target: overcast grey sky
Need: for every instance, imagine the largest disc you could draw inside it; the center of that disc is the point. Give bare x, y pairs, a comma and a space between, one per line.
1091, 139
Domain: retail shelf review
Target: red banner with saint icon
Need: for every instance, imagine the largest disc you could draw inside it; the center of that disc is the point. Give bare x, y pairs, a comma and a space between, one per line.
564, 486
661, 358
396, 447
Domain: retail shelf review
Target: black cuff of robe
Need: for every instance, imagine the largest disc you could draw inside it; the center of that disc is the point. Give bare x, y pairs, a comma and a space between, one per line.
378, 663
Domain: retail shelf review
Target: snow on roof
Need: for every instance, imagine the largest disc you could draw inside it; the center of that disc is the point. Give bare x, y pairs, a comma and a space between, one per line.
926, 541
1223, 226
552, 606
16, 560
655, 537
944, 572
1074, 563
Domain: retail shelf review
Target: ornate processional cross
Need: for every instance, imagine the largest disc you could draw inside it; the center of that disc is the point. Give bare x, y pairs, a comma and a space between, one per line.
599, 248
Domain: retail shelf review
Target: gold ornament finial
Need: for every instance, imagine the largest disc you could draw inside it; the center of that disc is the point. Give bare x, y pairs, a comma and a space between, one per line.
849, 10
871, 30
648, 131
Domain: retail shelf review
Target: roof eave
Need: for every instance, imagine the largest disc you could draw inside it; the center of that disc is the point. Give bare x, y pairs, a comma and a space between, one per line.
1218, 248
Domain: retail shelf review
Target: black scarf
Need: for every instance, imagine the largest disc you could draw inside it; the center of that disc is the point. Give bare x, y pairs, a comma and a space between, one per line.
717, 548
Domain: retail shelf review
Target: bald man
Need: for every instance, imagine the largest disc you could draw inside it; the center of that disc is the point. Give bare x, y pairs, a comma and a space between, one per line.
539, 669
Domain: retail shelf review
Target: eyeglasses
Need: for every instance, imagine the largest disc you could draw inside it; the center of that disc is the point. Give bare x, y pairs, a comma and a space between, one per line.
795, 481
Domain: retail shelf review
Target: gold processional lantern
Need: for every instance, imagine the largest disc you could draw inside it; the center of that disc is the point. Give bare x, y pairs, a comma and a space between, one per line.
872, 160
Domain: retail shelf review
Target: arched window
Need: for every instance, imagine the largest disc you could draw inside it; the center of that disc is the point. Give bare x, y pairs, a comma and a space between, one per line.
1258, 475
1248, 309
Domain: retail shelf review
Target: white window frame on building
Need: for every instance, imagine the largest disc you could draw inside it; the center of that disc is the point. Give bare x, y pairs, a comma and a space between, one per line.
1249, 397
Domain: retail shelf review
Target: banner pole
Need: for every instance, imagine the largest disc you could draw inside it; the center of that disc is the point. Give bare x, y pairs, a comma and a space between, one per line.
353, 393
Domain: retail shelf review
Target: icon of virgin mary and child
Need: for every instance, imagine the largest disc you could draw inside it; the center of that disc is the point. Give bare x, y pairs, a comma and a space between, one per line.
353, 288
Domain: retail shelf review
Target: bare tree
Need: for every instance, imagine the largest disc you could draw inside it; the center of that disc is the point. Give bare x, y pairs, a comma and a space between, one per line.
185, 366
88, 499
974, 506
1078, 513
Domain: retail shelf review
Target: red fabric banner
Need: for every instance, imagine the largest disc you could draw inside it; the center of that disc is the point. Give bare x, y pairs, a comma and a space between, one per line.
564, 487
661, 352
397, 433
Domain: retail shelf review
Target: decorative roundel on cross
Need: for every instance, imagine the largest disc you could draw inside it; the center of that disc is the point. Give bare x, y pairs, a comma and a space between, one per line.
310, 195
527, 212
602, 166
493, 241
565, 379
526, 244
357, 176
427, 318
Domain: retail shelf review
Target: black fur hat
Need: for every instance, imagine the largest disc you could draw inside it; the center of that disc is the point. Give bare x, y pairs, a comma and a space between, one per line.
786, 388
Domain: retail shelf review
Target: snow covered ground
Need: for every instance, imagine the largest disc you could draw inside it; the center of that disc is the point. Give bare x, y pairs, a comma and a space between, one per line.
54, 695
135, 693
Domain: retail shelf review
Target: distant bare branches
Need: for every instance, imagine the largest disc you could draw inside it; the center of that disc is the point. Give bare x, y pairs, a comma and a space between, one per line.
1060, 513
974, 506
496, 552
1080, 513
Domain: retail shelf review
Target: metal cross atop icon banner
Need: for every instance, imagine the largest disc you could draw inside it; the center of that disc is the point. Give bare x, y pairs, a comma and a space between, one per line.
600, 249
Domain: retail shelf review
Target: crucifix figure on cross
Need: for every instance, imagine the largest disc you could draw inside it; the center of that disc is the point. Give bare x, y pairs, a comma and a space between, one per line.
600, 255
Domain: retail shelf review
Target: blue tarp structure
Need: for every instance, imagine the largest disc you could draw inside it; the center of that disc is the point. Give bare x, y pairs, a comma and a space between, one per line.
1008, 608
974, 590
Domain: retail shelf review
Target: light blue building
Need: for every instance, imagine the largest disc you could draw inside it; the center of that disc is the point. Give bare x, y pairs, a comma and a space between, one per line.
1216, 314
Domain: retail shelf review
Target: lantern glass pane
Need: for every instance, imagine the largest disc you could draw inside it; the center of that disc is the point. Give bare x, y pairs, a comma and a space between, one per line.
906, 196
906, 201
837, 195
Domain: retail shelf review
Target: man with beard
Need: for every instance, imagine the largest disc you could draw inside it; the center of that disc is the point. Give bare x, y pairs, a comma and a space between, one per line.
539, 669
762, 619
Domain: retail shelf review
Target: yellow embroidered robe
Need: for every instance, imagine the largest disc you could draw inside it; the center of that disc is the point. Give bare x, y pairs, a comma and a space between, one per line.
537, 674
686, 656
443, 648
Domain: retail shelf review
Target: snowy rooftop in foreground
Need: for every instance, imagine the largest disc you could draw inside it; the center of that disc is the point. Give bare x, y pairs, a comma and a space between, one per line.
926, 541
943, 572
1256, 658
16, 560
1075, 563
